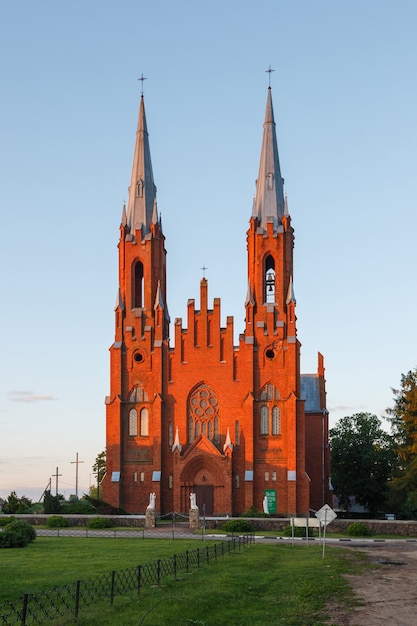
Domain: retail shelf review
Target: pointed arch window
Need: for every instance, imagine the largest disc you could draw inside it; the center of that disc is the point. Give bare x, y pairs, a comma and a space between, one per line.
138, 394
270, 181
144, 423
276, 421
264, 420
133, 423
170, 434
138, 286
269, 392
237, 433
269, 280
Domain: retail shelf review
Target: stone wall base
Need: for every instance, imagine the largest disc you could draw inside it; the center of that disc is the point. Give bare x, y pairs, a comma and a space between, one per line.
194, 518
150, 518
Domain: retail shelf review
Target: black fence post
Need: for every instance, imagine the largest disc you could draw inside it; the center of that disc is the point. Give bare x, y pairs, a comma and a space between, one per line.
198, 557
159, 570
175, 566
24, 609
215, 550
113, 574
222, 548
207, 555
186, 561
77, 598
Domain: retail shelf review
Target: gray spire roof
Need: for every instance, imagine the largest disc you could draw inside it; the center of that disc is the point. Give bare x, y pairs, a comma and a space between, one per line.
269, 200
142, 190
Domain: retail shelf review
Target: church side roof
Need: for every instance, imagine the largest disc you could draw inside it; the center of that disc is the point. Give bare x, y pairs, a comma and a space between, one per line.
269, 201
310, 392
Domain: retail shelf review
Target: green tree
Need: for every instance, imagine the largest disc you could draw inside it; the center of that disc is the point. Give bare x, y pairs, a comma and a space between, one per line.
362, 460
51, 504
14, 504
403, 418
99, 469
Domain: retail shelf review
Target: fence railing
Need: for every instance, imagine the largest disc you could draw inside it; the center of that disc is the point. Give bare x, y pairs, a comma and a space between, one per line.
67, 600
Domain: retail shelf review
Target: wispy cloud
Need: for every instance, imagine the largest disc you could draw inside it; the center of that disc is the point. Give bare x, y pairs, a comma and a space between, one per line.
348, 409
340, 407
27, 396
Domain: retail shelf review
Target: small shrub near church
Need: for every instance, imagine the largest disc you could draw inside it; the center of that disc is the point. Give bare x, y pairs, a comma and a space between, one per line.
6, 519
78, 507
57, 521
237, 526
253, 512
358, 529
17, 535
100, 522
299, 531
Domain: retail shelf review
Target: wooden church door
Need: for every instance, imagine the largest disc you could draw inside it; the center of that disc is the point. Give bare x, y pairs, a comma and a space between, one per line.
205, 496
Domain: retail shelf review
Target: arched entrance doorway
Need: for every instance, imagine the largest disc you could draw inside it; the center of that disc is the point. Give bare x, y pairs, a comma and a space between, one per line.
206, 472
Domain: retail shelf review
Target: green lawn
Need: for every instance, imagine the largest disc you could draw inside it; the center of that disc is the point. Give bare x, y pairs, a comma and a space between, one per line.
263, 584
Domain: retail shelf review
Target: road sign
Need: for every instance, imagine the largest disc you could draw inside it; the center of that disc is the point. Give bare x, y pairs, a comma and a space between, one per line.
326, 514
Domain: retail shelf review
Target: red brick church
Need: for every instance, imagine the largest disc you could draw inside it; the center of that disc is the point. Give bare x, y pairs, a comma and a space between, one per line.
232, 423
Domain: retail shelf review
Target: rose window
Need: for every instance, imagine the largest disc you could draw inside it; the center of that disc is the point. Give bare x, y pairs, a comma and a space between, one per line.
203, 414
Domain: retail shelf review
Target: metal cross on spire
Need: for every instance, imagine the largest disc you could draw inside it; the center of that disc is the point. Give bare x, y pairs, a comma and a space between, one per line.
269, 71
204, 268
142, 78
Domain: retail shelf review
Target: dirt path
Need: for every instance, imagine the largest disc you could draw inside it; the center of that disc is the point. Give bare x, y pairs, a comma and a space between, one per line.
387, 595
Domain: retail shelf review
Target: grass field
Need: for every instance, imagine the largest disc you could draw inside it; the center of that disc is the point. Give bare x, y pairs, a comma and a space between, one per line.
263, 584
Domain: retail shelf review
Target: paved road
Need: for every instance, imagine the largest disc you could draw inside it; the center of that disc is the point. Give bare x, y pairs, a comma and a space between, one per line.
184, 532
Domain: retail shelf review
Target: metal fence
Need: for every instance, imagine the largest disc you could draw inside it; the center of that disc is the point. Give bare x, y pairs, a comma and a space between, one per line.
66, 601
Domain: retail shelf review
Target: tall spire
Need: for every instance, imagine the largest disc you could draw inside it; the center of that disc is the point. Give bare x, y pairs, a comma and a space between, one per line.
269, 200
142, 190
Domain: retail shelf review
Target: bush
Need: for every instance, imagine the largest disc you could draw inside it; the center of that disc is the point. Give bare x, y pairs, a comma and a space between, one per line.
358, 529
17, 535
253, 512
299, 531
237, 526
99, 522
104, 508
57, 521
78, 507
6, 519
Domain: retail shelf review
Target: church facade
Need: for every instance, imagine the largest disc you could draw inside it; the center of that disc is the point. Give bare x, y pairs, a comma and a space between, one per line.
238, 425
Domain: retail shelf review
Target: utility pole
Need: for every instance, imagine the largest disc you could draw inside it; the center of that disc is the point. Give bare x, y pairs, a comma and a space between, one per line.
56, 476
77, 462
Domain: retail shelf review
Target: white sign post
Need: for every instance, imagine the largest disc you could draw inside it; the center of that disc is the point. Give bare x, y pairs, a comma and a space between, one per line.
325, 515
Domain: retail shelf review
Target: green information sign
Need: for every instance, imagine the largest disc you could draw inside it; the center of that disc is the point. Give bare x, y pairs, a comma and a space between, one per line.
271, 498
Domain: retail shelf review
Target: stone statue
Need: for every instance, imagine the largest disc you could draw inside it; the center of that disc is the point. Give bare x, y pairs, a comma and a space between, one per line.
152, 501
193, 503
265, 505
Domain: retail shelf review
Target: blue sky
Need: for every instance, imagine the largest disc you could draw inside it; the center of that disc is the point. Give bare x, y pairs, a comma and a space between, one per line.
345, 100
